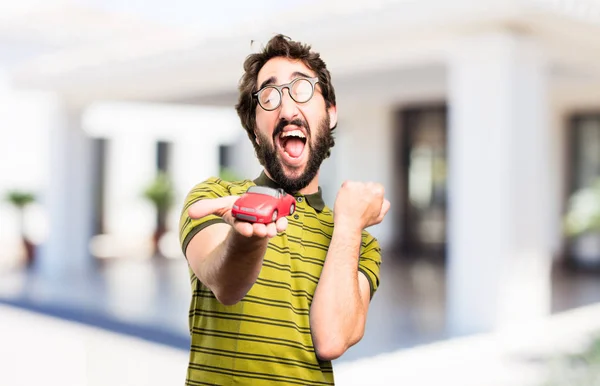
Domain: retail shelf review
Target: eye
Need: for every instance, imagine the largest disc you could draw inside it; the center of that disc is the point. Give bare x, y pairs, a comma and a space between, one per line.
302, 90
269, 97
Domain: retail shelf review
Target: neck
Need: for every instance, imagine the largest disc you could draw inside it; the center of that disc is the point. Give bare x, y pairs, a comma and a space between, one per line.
312, 187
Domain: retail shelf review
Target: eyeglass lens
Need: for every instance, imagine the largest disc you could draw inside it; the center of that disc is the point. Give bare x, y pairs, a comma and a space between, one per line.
300, 91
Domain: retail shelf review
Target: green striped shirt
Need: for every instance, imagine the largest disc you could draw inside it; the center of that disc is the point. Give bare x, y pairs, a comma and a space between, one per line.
265, 338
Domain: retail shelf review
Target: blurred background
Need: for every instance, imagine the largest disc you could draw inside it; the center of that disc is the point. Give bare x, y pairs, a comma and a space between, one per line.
481, 119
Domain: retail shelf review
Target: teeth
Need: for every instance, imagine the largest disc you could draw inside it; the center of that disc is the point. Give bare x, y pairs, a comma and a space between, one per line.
293, 133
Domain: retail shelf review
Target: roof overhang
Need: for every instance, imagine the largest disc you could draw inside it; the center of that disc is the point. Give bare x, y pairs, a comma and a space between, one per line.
353, 37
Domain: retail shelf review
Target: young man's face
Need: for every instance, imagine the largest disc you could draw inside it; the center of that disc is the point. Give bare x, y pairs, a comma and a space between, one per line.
294, 138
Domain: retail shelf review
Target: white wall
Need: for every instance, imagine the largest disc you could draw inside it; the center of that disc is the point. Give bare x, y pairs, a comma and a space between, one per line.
364, 152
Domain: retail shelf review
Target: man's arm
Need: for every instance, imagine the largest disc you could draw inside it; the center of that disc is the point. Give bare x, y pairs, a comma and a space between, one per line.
228, 257
339, 309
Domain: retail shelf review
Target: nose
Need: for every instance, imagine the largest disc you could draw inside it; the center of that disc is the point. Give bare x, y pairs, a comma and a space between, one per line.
289, 109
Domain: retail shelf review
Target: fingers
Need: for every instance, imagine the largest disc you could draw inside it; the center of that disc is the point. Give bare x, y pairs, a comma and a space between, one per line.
361, 202
257, 230
270, 230
260, 230
281, 224
378, 193
377, 189
217, 206
243, 228
380, 204
384, 209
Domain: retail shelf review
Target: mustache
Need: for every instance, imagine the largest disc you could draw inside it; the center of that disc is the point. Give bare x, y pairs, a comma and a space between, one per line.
284, 122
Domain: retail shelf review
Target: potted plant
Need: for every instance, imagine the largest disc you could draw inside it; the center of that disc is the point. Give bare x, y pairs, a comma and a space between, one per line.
20, 199
578, 368
160, 193
228, 174
582, 225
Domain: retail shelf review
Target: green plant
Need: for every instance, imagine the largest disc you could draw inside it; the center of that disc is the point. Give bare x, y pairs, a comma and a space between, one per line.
20, 199
228, 174
160, 192
583, 214
580, 369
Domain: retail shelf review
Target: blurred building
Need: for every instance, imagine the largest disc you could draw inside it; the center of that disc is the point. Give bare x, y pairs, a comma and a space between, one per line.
479, 117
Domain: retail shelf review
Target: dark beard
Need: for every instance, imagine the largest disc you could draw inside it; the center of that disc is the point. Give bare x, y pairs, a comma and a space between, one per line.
267, 155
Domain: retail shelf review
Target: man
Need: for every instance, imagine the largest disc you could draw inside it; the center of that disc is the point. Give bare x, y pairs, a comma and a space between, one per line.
274, 304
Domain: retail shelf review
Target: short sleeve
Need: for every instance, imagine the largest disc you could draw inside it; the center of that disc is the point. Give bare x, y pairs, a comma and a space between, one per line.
370, 260
188, 227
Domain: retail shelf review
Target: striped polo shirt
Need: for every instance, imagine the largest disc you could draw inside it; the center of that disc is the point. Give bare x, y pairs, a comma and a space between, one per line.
265, 338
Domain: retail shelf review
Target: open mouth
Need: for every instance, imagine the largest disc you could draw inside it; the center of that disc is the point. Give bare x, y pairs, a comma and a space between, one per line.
292, 143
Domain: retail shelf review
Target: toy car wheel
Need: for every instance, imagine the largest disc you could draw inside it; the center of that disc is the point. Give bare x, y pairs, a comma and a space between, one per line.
292, 208
274, 217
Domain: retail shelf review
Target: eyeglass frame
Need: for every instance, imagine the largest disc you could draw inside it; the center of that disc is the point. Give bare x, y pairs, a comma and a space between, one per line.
313, 81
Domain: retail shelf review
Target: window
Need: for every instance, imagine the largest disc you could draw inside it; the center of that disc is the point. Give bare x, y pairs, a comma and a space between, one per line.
163, 150
264, 190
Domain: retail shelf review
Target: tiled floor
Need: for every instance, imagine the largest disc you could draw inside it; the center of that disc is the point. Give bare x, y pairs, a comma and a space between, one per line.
41, 350
72, 354
150, 299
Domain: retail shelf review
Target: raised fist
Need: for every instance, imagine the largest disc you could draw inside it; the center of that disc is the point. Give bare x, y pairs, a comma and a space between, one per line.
360, 205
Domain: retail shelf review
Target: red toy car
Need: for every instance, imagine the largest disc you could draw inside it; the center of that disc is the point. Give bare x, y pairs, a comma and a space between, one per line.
263, 205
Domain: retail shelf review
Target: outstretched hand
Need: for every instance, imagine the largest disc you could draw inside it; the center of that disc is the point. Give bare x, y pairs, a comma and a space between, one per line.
222, 207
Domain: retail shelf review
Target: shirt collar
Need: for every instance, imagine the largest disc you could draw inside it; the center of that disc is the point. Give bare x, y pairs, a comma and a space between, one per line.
315, 199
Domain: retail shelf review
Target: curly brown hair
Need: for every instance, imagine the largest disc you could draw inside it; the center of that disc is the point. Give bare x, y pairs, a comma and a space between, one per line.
278, 46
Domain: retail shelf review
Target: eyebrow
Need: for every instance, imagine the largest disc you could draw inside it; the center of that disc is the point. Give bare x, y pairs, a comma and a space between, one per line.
295, 74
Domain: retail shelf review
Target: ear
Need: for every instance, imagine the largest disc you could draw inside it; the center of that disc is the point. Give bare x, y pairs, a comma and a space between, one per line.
332, 111
256, 138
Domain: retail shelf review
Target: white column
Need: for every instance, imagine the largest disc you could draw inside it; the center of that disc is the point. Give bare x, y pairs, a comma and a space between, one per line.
190, 167
499, 259
25, 121
68, 197
130, 219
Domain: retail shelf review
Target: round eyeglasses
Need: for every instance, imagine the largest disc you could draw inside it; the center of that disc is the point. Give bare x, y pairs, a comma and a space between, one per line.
301, 90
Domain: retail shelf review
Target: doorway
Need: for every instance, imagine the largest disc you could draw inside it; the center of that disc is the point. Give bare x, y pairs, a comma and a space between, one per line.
583, 251
422, 163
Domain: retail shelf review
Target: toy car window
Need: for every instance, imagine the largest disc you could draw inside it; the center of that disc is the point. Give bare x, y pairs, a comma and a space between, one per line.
263, 190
